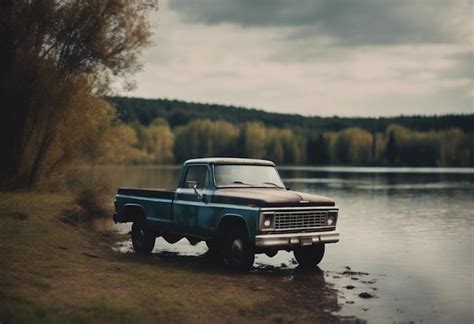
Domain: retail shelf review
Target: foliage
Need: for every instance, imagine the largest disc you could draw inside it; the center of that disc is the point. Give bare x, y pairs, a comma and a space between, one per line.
448, 147
56, 57
284, 146
317, 149
90, 193
398, 146
179, 113
158, 142
205, 138
351, 146
252, 140
214, 130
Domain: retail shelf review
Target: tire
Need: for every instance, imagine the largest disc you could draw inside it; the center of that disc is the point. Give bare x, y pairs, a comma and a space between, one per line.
214, 252
238, 252
143, 240
309, 256
212, 245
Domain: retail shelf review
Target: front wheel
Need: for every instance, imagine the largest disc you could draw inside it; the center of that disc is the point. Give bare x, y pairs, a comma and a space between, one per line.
239, 253
309, 256
143, 240
214, 247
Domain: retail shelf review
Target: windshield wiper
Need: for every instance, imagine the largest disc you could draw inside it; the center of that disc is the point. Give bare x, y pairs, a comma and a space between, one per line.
242, 183
271, 183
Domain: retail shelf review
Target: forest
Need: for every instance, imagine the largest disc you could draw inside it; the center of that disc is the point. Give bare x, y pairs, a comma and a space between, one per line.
179, 113
170, 131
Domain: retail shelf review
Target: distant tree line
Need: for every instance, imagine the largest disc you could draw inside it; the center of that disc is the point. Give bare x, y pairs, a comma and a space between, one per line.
178, 113
158, 142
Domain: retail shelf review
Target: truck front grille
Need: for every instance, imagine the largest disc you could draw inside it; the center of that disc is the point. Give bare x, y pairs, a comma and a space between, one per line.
300, 219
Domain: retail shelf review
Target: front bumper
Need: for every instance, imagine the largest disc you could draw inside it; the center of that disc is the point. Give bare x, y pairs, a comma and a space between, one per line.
295, 239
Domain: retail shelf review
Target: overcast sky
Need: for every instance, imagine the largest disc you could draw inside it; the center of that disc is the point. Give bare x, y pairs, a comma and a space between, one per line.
314, 57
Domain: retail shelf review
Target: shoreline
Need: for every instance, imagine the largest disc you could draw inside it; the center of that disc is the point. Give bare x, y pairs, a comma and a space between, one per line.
53, 271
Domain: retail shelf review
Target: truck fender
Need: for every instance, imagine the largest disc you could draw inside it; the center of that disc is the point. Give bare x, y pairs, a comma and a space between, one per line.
133, 213
230, 220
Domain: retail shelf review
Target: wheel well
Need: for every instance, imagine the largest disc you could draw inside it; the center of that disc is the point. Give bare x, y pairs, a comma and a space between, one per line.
133, 213
231, 221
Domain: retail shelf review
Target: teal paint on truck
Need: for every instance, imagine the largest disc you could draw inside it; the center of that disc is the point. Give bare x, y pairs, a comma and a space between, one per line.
213, 203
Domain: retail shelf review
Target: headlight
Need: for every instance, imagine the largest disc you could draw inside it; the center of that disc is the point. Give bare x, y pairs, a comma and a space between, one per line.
332, 218
267, 221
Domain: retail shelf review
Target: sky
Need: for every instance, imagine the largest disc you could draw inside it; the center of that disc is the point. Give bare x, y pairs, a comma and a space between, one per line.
314, 57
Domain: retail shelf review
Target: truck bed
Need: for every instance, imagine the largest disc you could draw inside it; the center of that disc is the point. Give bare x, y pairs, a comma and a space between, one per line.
167, 193
155, 203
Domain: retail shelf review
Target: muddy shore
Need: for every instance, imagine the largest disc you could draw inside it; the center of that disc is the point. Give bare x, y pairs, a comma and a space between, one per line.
53, 271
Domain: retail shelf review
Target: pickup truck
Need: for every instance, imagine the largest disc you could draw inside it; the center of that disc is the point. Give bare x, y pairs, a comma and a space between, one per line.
239, 207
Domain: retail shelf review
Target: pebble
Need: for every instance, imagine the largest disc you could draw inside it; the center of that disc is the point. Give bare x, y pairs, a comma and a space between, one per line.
256, 288
90, 255
365, 295
355, 273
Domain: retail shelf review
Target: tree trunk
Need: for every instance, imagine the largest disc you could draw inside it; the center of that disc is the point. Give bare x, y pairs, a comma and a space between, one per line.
8, 139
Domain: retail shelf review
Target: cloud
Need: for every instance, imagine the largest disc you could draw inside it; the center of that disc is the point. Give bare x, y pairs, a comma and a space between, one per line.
290, 57
361, 22
463, 65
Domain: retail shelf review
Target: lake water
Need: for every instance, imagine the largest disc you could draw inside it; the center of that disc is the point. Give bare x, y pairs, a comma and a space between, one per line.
410, 230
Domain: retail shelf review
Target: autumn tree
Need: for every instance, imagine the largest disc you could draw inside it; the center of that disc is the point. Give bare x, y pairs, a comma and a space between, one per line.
56, 59
202, 138
351, 146
283, 146
159, 141
253, 137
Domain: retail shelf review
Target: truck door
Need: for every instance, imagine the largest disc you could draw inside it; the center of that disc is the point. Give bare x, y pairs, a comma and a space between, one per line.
190, 213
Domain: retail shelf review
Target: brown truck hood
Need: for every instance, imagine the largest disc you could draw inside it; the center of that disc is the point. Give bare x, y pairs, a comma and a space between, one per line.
269, 197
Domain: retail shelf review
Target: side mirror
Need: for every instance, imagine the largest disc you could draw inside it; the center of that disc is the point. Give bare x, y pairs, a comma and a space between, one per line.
191, 184
198, 194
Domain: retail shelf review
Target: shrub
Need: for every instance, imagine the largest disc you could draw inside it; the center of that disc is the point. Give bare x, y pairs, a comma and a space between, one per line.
91, 194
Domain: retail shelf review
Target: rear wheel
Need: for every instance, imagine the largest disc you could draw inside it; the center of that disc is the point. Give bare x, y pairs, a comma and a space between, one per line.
239, 253
143, 240
309, 256
214, 250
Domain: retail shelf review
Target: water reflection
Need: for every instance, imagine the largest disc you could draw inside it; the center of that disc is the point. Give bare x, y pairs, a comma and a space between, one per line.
410, 231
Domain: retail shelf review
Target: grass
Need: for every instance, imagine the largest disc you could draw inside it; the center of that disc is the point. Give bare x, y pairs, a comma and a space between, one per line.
51, 271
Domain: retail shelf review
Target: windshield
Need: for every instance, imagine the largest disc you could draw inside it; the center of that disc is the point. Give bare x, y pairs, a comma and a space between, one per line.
247, 175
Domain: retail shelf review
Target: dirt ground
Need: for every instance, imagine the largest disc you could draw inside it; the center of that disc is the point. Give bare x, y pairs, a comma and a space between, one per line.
52, 271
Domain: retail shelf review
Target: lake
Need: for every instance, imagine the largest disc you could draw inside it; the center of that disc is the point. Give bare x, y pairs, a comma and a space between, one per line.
409, 231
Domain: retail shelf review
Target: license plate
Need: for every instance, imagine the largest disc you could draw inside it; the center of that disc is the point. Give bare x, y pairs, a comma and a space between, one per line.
304, 241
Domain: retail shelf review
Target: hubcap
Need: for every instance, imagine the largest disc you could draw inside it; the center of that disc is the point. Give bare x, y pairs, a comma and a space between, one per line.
237, 247
140, 237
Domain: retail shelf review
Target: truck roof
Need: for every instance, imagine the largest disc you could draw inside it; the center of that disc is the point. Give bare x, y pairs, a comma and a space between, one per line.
219, 160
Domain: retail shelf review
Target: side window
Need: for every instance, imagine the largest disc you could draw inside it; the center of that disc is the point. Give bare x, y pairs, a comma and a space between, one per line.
196, 175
